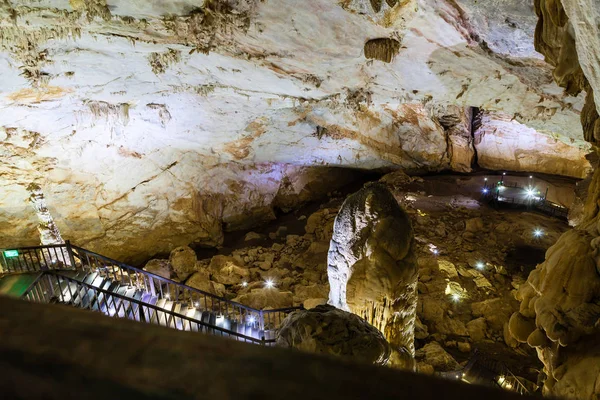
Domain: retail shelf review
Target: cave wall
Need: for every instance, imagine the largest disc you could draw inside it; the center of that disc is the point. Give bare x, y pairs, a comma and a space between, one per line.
560, 302
230, 101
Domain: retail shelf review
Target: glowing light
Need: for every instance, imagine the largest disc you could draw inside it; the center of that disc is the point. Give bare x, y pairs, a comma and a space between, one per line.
530, 176
504, 173
11, 253
530, 192
251, 320
220, 320
244, 284
456, 297
167, 296
435, 251
196, 304
509, 385
480, 265
484, 190
485, 179
269, 283
538, 233
501, 380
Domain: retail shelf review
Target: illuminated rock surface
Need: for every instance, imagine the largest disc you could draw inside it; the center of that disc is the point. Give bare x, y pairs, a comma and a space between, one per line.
328, 330
560, 312
371, 265
156, 124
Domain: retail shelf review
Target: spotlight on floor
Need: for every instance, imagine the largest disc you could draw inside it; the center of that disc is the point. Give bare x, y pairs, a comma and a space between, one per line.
538, 233
269, 283
480, 265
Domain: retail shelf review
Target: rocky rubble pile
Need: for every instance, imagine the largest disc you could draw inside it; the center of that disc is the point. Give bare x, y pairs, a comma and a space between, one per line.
467, 275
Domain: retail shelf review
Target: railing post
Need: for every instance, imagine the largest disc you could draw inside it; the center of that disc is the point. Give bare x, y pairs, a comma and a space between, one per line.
70, 252
262, 320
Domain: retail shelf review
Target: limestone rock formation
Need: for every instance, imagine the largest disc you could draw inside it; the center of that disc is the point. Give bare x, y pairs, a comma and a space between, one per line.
136, 164
183, 261
560, 311
371, 265
328, 330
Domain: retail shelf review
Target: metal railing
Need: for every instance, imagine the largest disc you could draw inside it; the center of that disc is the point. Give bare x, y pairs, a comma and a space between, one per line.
53, 285
37, 258
164, 288
69, 257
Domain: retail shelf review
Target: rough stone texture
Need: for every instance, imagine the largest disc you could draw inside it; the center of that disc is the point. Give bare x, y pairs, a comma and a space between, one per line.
159, 267
371, 265
505, 144
328, 330
266, 298
183, 261
561, 41
135, 357
135, 164
435, 355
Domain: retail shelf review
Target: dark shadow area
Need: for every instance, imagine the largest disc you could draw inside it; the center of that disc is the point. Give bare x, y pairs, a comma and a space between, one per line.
524, 258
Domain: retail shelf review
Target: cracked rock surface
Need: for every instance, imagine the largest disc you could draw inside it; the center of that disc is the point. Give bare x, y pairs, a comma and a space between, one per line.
151, 124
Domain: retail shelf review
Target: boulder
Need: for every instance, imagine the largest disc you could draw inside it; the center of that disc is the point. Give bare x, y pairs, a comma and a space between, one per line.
312, 291
266, 298
435, 355
328, 330
183, 261
159, 267
312, 303
474, 225
477, 329
253, 236
447, 269
200, 281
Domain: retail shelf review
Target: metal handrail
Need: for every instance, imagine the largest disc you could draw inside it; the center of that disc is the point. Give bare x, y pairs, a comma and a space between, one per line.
129, 311
162, 287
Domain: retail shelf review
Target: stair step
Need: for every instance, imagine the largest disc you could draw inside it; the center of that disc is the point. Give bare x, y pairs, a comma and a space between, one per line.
98, 281
90, 278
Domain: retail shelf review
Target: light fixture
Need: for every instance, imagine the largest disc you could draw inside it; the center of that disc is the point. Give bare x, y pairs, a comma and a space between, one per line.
196, 304
251, 319
479, 265
530, 192
244, 284
435, 251
269, 283
484, 190
530, 176
485, 179
456, 297
504, 173
538, 233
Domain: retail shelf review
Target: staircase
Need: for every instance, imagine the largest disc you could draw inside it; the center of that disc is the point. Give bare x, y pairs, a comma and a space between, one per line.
77, 277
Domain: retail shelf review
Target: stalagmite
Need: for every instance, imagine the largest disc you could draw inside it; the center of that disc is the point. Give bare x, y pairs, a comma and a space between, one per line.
372, 268
49, 233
